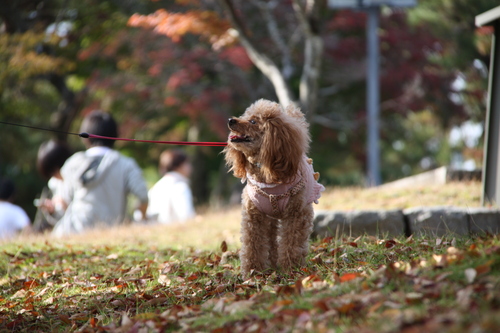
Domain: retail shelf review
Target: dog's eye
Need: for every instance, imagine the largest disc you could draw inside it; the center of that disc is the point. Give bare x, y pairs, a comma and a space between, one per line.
253, 122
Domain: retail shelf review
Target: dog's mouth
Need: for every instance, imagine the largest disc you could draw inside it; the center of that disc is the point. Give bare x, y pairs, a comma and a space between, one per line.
239, 138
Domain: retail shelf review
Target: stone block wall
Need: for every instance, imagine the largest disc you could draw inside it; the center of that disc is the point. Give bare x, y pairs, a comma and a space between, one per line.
434, 221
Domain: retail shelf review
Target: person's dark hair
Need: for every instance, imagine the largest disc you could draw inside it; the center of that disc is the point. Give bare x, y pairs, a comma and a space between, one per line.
51, 157
100, 123
171, 160
7, 189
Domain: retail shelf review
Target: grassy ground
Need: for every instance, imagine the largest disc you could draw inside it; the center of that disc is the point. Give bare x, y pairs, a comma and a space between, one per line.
186, 278
461, 194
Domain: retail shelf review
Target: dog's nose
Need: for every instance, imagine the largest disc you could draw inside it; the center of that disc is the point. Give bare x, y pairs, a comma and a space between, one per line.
231, 121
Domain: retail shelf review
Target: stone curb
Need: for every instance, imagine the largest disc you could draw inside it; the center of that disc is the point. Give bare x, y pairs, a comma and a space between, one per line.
435, 221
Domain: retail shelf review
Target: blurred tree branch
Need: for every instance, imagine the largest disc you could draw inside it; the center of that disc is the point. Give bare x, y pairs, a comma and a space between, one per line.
268, 67
309, 18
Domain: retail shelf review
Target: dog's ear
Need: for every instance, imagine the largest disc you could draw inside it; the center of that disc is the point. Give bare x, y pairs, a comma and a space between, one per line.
282, 148
236, 161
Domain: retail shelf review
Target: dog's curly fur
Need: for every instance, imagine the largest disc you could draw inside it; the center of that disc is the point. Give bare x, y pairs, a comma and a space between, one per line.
267, 144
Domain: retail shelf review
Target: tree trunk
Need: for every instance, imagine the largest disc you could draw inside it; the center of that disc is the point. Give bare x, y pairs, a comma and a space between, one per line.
263, 62
309, 21
309, 18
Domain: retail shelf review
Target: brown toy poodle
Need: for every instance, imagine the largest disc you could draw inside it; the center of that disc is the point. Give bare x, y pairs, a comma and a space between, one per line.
267, 148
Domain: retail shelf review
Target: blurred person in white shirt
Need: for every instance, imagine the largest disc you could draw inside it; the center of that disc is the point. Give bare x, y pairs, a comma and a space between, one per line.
13, 219
171, 199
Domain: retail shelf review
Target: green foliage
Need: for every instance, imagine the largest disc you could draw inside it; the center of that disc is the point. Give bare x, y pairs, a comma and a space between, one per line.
465, 47
453, 22
19, 59
415, 143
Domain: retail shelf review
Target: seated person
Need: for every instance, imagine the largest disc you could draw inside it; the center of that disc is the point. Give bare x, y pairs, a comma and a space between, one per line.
51, 157
97, 181
170, 199
13, 219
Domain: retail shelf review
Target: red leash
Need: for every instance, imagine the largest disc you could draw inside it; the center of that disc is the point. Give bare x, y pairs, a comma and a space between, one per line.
87, 135
184, 143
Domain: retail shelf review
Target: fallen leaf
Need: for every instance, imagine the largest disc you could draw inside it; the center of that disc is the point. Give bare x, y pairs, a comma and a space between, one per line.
42, 292
65, 319
118, 303
485, 268
413, 298
392, 305
390, 244
155, 302
30, 284
283, 302
125, 322
133, 270
394, 315
375, 307
464, 297
349, 277
299, 286
470, 274
192, 277
20, 294
303, 318
346, 308
492, 250
164, 280
145, 316
327, 239
286, 290
220, 305
238, 306
412, 316
317, 259
307, 281
117, 289
442, 276
15, 323
440, 260
323, 305
80, 316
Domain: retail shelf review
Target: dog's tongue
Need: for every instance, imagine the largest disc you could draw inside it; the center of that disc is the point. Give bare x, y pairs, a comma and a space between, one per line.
234, 137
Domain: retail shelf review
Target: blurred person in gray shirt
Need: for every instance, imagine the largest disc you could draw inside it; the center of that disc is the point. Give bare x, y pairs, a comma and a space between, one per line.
97, 181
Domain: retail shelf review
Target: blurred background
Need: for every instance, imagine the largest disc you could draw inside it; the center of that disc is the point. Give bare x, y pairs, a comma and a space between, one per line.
176, 70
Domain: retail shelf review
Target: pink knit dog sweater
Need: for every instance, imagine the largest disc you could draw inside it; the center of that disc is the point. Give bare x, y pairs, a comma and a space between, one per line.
271, 199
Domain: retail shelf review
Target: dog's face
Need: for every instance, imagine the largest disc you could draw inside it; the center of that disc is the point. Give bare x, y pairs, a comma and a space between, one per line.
270, 137
247, 133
